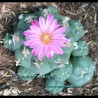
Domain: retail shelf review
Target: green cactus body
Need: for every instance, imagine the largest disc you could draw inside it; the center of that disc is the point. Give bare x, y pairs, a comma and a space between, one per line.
80, 48
77, 29
26, 74
49, 10
43, 67
64, 58
25, 56
69, 47
62, 74
8, 42
54, 86
17, 39
13, 41
25, 21
47, 65
83, 70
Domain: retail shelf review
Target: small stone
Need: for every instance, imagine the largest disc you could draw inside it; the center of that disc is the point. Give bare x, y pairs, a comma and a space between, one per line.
1, 93
6, 92
14, 91
70, 90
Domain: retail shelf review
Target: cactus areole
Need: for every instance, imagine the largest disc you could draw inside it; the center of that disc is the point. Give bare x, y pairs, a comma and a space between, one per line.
50, 46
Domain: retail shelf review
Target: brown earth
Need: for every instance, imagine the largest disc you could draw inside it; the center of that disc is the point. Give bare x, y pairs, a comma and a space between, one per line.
87, 12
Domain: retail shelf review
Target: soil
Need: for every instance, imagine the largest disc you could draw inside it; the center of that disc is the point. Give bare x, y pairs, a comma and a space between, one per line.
87, 12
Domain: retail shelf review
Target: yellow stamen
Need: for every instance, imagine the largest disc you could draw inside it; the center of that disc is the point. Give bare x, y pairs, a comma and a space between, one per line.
46, 38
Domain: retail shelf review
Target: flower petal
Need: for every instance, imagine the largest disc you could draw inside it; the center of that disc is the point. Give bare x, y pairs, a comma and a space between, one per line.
59, 35
49, 21
34, 36
60, 30
53, 25
66, 40
62, 39
34, 52
35, 29
55, 49
58, 43
27, 43
57, 27
51, 54
34, 40
35, 44
27, 32
41, 52
35, 23
42, 24
48, 52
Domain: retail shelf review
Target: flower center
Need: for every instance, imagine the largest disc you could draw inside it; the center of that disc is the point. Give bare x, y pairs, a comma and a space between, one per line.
46, 38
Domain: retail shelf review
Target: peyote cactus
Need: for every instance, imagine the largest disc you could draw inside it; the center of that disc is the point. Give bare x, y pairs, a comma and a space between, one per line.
55, 64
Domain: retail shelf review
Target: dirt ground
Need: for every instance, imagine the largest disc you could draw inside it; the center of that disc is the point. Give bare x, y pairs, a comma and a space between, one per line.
87, 12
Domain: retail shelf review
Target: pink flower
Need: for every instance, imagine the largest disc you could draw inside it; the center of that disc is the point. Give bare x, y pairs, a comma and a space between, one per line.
46, 37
